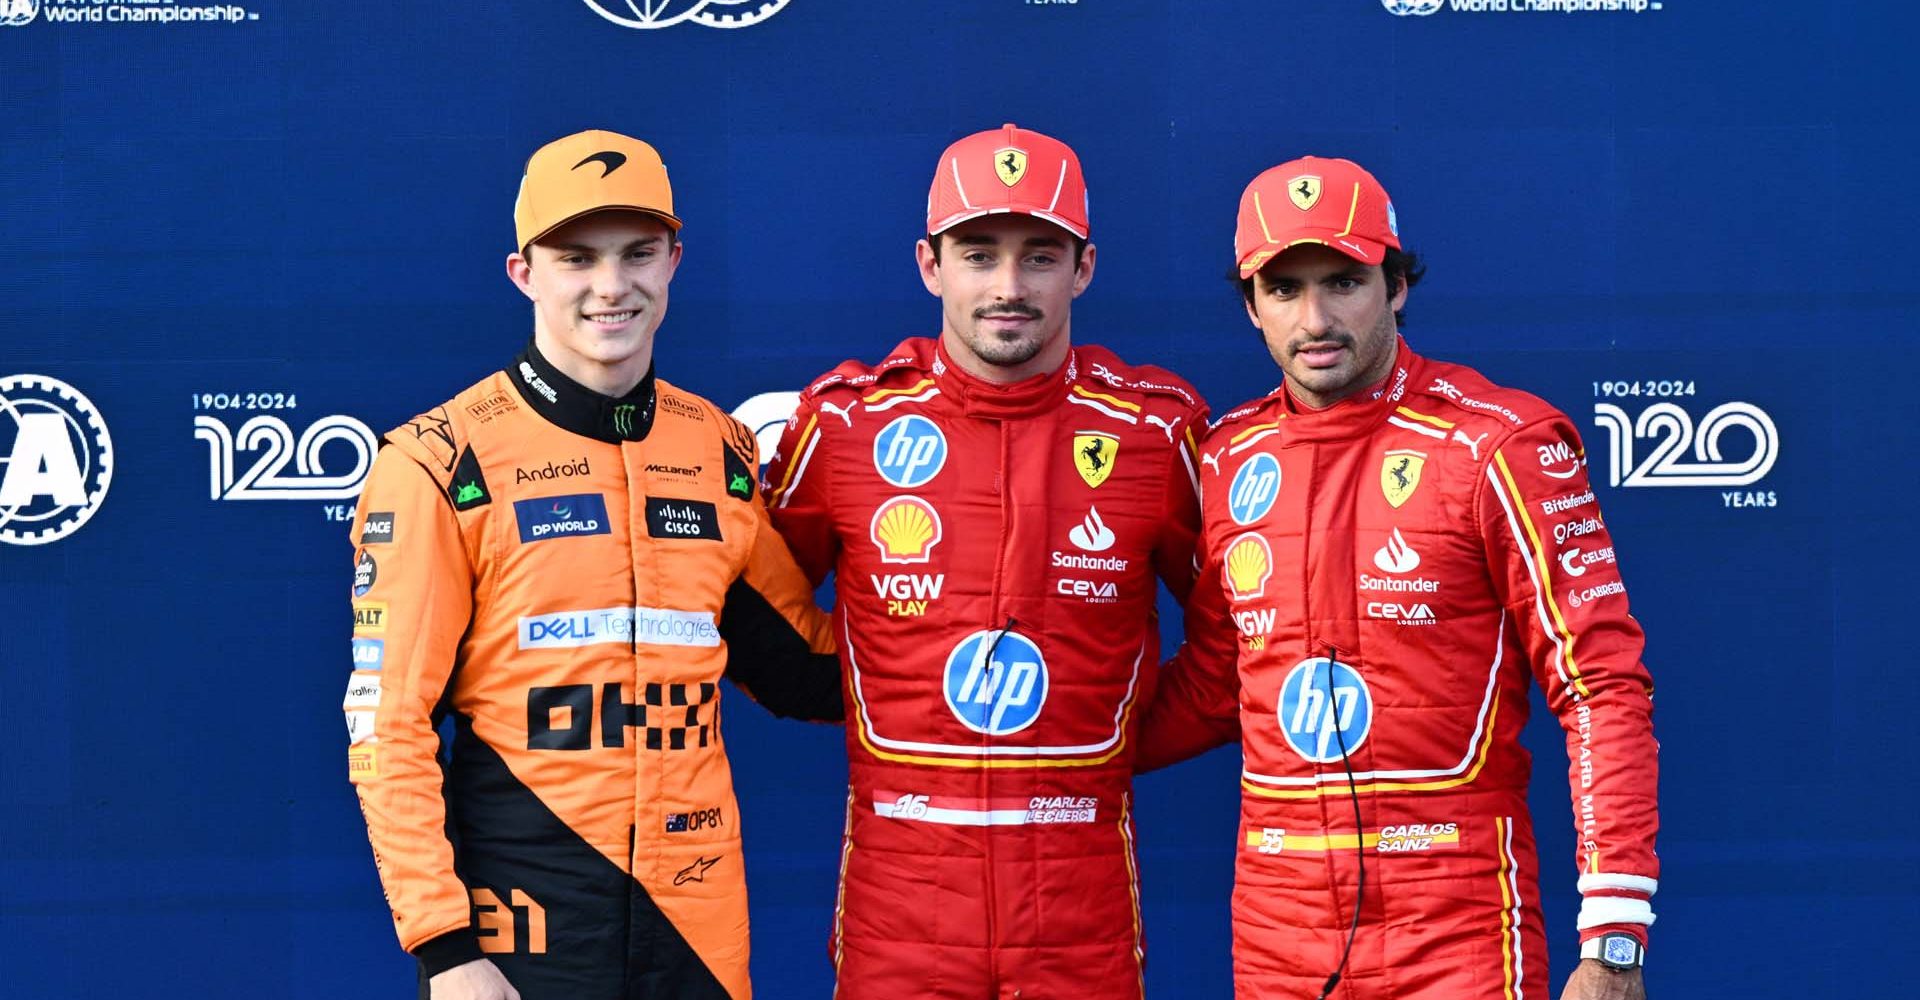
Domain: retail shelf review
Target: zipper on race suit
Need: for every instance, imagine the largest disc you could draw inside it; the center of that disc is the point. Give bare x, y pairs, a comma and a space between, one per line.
1003, 484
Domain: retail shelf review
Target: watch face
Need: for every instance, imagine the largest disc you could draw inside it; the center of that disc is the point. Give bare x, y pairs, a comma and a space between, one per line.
1619, 949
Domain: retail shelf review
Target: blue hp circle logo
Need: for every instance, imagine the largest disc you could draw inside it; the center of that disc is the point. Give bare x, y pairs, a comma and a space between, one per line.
1254, 488
1319, 699
996, 682
910, 451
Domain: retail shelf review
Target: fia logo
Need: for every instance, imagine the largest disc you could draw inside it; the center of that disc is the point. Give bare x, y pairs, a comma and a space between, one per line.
1415, 8
910, 451
1673, 433
14, 13
266, 476
1254, 488
667, 13
1325, 709
996, 682
766, 415
58, 459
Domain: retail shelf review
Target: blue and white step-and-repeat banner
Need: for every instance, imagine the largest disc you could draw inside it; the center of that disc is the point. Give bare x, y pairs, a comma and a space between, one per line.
243, 239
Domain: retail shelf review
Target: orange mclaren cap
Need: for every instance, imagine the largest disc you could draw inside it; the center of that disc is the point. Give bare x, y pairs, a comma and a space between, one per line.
589, 172
1314, 200
1008, 169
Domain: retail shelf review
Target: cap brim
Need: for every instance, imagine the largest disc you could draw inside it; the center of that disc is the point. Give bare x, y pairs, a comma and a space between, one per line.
953, 220
672, 221
1363, 250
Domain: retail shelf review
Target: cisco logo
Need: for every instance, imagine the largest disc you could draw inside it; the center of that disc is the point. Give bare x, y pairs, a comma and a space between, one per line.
667, 13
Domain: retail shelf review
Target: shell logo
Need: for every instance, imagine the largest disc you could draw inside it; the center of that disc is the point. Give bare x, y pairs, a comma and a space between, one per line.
906, 529
1249, 565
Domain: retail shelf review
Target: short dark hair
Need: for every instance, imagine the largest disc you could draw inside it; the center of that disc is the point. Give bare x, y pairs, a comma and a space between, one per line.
1400, 267
1079, 247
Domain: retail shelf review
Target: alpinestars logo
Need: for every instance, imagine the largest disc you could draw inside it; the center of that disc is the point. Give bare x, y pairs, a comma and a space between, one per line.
667, 13
56, 456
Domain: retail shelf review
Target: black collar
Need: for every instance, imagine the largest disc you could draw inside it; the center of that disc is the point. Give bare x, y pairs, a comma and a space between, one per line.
574, 407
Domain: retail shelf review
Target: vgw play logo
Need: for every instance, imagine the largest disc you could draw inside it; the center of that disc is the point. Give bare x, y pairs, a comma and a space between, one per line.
57, 458
667, 13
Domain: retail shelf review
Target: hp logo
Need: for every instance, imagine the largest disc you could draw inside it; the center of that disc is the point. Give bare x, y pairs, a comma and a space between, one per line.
1254, 488
1319, 699
910, 451
1000, 695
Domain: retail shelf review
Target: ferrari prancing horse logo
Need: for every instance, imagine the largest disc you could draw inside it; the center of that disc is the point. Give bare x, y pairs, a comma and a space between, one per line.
1400, 474
1010, 164
1093, 455
1305, 191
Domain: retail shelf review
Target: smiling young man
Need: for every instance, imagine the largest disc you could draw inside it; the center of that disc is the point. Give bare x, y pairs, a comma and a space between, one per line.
566, 558
997, 503
1402, 545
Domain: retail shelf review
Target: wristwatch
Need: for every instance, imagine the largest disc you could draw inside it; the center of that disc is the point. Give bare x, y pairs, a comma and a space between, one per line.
1619, 952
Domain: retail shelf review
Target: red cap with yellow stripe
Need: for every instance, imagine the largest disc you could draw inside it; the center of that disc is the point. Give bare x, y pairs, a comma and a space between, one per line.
1314, 200
1008, 169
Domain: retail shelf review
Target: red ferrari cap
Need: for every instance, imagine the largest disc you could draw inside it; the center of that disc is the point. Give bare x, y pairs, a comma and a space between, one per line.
1314, 200
1008, 169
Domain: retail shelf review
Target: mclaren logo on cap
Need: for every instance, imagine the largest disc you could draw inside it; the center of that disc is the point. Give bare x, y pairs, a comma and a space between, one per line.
1305, 191
609, 161
1010, 165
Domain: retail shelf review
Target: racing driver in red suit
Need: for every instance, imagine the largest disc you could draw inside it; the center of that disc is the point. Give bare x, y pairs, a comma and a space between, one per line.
1400, 544
997, 503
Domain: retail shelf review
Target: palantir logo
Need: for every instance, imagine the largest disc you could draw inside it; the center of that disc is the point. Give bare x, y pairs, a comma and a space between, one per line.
667, 13
14, 13
58, 462
1416, 8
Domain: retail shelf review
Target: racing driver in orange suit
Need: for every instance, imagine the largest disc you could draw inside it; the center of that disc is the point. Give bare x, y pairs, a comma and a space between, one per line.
566, 558
1402, 545
996, 504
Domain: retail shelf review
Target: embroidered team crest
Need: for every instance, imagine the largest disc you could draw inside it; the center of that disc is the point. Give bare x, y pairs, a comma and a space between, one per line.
1400, 474
1305, 191
1093, 455
1010, 165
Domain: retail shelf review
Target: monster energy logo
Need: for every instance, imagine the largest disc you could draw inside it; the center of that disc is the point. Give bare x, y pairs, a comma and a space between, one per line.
623, 419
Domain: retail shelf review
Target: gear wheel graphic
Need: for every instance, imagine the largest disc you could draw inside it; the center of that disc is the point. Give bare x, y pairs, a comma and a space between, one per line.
649, 14
37, 523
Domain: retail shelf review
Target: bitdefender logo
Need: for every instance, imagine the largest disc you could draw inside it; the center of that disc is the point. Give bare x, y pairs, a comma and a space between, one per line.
667, 13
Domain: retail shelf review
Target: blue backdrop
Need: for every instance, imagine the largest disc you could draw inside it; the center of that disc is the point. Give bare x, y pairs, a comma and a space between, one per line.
271, 230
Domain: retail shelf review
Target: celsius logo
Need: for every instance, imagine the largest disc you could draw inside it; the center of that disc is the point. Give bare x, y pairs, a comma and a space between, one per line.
14, 13
266, 477
57, 464
667, 13
996, 682
1673, 434
1416, 8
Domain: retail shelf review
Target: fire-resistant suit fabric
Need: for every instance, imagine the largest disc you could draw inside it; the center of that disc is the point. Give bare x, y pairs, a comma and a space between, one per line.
569, 576
1396, 566
996, 550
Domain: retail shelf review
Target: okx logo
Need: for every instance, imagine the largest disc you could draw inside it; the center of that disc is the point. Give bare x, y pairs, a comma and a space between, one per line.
667, 13
58, 459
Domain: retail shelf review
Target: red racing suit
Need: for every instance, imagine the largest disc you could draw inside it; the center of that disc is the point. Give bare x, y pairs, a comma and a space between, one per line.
996, 550
1395, 567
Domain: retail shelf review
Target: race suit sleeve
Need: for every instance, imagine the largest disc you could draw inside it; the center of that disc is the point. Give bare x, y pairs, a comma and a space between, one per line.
1549, 551
1196, 706
797, 492
780, 647
407, 630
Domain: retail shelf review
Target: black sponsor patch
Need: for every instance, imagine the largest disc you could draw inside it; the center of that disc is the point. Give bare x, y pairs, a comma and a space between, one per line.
378, 528
671, 518
365, 572
468, 488
740, 474
435, 431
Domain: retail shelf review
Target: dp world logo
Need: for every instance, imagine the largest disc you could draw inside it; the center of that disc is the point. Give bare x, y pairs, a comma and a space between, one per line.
667, 13
55, 459
1417, 8
14, 13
